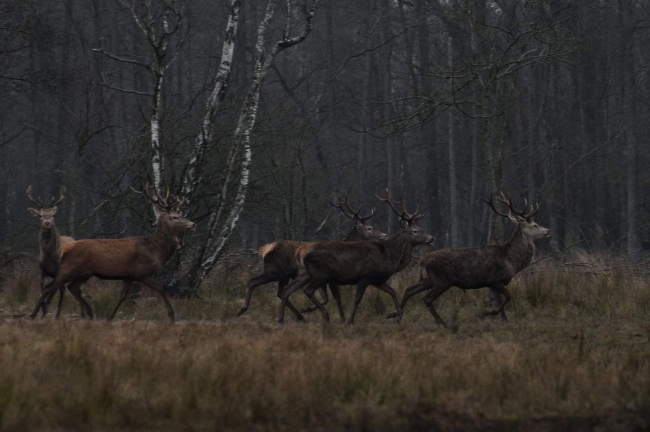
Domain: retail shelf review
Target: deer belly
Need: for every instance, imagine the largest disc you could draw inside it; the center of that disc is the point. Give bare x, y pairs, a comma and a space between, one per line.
124, 268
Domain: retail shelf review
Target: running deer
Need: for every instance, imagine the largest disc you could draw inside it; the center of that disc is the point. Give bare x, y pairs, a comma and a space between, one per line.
480, 267
50, 241
362, 263
137, 259
280, 263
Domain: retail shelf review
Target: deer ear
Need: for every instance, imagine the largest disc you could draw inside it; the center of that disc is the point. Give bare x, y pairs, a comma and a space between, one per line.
34, 211
514, 219
53, 210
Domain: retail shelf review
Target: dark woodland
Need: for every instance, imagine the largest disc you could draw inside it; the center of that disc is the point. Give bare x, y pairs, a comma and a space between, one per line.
442, 102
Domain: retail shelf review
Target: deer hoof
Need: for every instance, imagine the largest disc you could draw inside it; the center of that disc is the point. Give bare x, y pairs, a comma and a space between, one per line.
241, 311
391, 315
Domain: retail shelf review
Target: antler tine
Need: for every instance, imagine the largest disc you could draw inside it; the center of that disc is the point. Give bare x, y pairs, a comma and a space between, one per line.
534, 208
178, 202
31, 197
390, 202
144, 191
490, 202
354, 213
340, 206
61, 196
364, 219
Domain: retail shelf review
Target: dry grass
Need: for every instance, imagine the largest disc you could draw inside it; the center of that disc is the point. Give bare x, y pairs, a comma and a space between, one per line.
575, 356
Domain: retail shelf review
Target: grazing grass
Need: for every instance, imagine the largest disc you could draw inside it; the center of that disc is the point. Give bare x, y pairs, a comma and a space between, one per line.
574, 356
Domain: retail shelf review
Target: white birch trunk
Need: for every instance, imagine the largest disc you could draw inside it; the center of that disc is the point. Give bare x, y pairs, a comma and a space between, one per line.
242, 142
156, 153
192, 176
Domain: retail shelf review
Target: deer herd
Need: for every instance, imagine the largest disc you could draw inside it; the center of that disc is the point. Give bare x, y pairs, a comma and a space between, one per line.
366, 257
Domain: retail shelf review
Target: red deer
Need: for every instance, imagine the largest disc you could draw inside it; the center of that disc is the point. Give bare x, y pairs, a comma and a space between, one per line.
50, 241
480, 267
362, 263
280, 263
137, 259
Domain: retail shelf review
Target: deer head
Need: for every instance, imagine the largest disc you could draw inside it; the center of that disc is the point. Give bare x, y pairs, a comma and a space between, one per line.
46, 214
522, 219
166, 209
408, 222
365, 230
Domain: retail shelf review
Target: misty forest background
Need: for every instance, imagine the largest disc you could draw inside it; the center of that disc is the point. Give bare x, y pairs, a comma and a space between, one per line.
443, 101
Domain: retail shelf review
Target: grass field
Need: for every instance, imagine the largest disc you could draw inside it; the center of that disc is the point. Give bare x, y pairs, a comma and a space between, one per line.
575, 356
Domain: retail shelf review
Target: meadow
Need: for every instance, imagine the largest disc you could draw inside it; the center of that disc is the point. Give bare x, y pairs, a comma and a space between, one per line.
574, 356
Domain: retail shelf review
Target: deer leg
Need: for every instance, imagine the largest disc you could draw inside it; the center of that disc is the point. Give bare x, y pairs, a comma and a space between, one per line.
48, 300
74, 288
422, 285
281, 286
126, 286
309, 292
505, 299
391, 292
252, 284
155, 285
295, 286
324, 296
336, 294
361, 288
429, 299
60, 304
47, 290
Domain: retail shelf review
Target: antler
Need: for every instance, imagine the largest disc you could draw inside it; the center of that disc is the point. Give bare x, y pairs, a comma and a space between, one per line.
61, 196
352, 214
508, 201
157, 198
31, 197
404, 215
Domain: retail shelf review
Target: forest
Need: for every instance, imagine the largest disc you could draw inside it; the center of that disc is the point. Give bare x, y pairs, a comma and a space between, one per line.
172, 143
261, 114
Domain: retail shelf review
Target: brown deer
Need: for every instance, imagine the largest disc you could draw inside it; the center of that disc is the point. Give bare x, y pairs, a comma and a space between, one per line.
50, 241
362, 263
137, 259
280, 263
480, 267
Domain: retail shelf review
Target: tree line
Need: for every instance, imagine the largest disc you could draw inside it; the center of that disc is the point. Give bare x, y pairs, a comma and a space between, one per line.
260, 113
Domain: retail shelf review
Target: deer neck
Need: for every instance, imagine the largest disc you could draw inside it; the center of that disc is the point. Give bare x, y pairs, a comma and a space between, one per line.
399, 252
354, 234
49, 240
164, 242
520, 250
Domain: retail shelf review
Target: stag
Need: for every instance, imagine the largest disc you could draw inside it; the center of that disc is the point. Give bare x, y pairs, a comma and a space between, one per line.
134, 259
50, 241
361, 263
480, 267
280, 263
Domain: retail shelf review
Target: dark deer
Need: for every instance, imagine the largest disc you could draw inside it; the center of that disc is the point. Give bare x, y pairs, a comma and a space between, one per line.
50, 241
361, 263
137, 259
280, 263
480, 267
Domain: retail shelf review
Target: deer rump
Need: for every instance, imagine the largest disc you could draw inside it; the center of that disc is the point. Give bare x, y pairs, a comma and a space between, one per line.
112, 259
463, 267
346, 263
279, 258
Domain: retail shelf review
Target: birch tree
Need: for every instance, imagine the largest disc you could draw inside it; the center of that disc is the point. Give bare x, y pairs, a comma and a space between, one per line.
158, 24
232, 196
